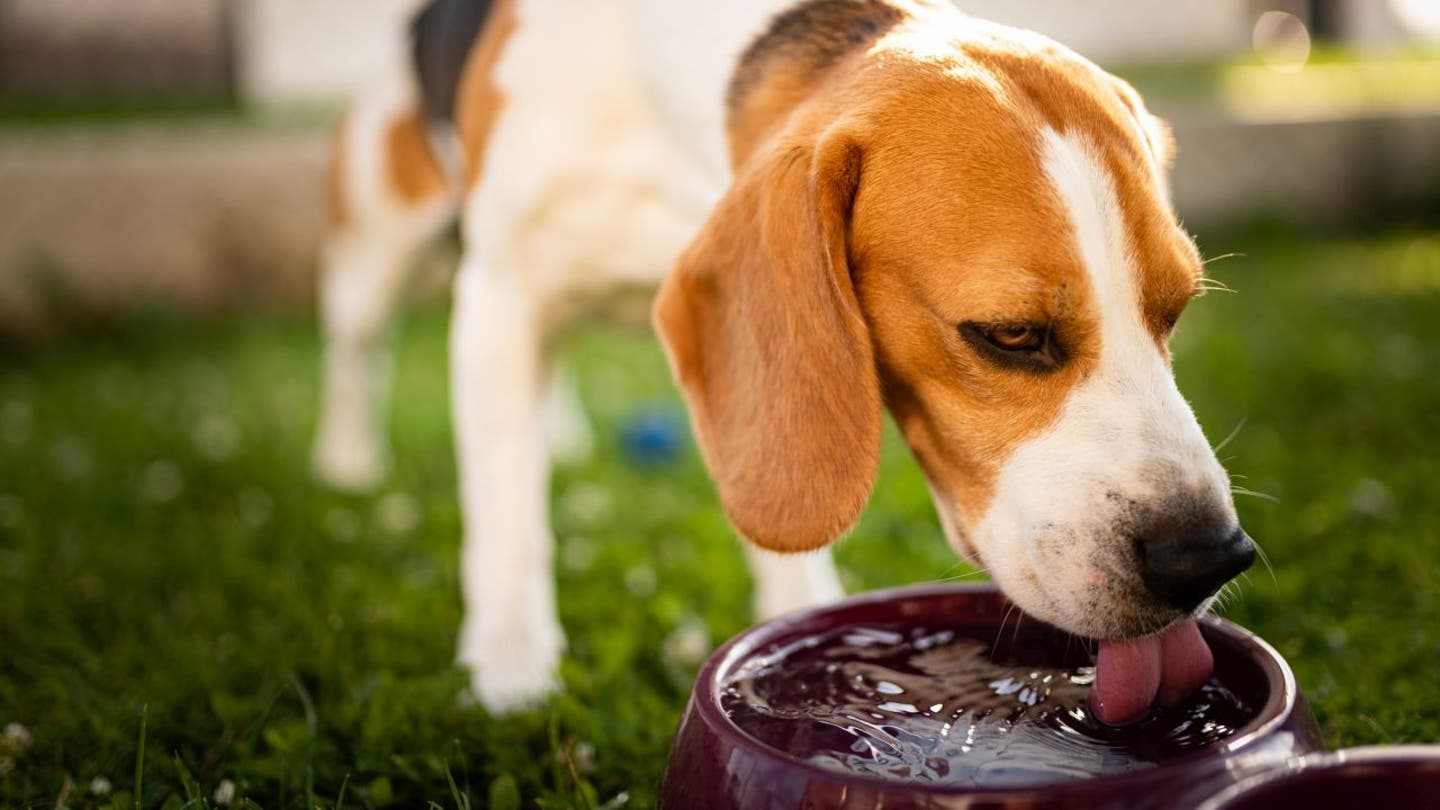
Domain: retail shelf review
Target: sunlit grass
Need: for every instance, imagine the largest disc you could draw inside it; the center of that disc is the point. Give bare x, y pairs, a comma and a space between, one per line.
1332, 90
1333, 83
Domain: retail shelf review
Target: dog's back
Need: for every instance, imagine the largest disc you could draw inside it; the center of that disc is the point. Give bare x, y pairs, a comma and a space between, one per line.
442, 35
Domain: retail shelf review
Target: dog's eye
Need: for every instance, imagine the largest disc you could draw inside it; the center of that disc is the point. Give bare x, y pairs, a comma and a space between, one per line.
1016, 338
1018, 345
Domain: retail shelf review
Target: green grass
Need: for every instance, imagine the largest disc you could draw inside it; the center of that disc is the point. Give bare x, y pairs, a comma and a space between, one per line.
1334, 83
45, 111
170, 575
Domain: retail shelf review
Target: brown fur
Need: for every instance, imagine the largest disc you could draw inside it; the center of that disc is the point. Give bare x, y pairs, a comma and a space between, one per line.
414, 172
923, 151
784, 61
479, 100
769, 343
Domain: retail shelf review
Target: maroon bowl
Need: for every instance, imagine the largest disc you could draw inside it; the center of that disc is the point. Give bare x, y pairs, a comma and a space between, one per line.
715, 764
1384, 776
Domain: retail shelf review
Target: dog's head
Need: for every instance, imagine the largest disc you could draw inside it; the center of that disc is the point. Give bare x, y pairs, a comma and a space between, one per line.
978, 235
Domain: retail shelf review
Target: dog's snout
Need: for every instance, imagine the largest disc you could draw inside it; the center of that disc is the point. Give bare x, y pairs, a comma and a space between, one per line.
1185, 569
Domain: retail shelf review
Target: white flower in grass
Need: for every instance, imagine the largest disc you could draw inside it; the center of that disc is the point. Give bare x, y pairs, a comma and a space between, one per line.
12, 511
254, 507
100, 786
620, 800
342, 525
162, 481
587, 504
641, 581
225, 793
16, 422
15, 737
581, 756
72, 459
398, 513
688, 644
216, 437
577, 553
1372, 499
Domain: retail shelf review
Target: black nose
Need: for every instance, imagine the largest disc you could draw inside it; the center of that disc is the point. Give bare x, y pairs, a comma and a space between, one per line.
1185, 570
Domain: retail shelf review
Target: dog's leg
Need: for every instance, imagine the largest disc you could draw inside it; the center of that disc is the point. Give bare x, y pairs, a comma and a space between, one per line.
510, 637
789, 582
364, 279
392, 200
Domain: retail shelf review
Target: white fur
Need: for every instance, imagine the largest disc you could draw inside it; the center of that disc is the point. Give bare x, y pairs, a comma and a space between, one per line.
785, 583
1124, 430
510, 637
606, 158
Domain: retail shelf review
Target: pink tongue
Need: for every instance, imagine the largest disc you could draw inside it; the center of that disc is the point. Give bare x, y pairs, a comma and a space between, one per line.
1131, 675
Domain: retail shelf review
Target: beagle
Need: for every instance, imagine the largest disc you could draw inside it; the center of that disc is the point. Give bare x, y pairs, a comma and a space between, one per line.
846, 205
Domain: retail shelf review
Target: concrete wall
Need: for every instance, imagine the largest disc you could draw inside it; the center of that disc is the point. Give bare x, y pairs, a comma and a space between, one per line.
303, 50
1130, 30
114, 220
306, 49
93, 49
300, 50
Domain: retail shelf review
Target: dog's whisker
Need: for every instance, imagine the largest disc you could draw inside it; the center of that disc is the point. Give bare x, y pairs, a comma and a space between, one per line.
999, 634
962, 577
1265, 558
952, 567
967, 575
1233, 433
1252, 493
1207, 285
974, 572
1224, 599
1222, 257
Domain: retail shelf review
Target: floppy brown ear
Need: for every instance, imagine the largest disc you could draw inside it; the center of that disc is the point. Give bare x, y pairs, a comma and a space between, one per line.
1159, 137
767, 341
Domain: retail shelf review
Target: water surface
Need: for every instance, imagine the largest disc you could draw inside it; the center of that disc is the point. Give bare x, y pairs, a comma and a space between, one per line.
934, 705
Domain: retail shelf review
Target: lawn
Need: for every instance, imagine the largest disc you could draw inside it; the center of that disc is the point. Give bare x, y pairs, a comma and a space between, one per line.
170, 575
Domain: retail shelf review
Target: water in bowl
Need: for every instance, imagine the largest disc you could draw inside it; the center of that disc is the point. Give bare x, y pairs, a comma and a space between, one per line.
940, 706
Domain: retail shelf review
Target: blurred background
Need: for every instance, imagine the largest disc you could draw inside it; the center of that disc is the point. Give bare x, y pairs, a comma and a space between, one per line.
169, 153
179, 600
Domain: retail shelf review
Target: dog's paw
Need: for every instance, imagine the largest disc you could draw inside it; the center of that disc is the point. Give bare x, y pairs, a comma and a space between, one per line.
770, 605
785, 583
514, 674
349, 465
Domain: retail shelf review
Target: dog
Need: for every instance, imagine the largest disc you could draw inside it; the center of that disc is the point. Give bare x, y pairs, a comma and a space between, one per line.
846, 206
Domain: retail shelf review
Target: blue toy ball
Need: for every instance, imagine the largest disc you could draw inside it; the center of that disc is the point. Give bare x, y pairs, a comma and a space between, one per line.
652, 437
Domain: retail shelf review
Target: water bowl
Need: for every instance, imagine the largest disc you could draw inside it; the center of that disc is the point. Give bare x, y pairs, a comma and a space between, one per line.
945, 697
1381, 776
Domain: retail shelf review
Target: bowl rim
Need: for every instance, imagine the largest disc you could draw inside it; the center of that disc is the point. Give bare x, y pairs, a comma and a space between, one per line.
1327, 762
1278, 706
